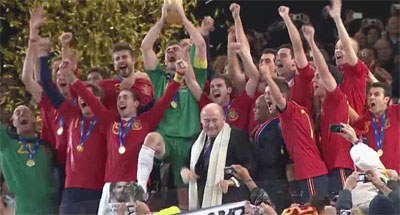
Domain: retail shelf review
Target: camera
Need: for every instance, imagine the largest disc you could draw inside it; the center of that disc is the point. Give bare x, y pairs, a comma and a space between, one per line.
362, 177
229, 170
372, 21
345, 212
336, 128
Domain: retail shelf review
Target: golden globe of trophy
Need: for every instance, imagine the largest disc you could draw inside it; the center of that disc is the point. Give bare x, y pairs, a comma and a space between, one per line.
173, 17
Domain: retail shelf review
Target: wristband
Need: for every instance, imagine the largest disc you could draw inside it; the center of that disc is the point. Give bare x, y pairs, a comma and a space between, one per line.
235, 181
178, 77
356, 142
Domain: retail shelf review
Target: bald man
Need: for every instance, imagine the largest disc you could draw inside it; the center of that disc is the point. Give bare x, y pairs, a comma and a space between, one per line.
26, 162
217, 148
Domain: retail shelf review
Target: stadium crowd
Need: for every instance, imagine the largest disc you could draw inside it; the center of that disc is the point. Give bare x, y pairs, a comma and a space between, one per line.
283, 127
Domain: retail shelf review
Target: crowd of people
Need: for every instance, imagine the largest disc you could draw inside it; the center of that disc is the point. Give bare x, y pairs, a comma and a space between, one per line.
284, 129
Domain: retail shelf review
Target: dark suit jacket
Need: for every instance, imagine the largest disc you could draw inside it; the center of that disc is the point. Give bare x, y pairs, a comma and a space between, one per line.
239, 152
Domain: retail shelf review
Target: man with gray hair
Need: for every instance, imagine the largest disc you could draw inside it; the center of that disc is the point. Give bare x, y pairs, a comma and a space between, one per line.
209, 172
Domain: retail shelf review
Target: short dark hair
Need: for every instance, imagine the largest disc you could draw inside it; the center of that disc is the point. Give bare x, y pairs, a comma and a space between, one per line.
122, 46
387, 89
97, 91
99, 70
226, 79
172, 42
134, 95
287, 46
269, 51
282, 85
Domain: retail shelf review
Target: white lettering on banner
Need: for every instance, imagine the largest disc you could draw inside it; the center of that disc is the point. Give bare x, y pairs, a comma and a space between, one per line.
236, 208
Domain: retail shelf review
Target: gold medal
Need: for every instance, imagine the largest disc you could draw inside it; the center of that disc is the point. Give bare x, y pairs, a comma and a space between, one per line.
174, 104
30, 162
60, 131
122, 150
380, 152
79, 148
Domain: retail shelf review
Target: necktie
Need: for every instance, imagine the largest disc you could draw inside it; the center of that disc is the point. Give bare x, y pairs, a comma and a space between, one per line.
207, 151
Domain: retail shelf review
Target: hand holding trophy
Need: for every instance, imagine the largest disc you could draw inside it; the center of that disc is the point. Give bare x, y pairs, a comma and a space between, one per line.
173, 15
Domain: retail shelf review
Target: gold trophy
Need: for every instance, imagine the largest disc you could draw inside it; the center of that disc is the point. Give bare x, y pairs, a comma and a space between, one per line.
173, 17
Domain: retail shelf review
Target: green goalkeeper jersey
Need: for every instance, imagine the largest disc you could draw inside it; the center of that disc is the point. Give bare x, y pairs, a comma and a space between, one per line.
34, 187
182, 119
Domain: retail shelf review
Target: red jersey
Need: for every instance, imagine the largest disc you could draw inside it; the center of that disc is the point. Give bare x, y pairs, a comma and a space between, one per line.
142, 88
51, 123
123, 167
391, 146
84, 169
334, 148
301, 90
298, 133
354, 85
236, 112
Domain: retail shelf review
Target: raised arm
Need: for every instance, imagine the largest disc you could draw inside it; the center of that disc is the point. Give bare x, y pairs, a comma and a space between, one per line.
319, 60
149, 56
234, 72
94, 103
334, 11
239, 31
191, 82
295, 38
27, 73
29, 78
275, 91
195, 35
244, 52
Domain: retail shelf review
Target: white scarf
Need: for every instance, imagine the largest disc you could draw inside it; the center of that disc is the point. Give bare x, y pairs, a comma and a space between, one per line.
212, 193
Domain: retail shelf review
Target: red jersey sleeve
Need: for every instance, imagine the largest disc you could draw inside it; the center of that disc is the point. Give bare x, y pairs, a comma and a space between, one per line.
302, 91
94, 103
156, 114
335, 97
204, 100
289, 110
144, 90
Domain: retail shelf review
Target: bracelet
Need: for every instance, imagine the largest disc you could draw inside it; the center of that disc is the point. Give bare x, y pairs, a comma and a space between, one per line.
235, 181
178, 77
356, 142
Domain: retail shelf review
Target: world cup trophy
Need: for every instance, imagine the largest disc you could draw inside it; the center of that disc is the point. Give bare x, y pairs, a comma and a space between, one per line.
173, 17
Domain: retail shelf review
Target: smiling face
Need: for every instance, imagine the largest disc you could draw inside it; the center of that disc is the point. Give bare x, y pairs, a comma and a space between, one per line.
285, 64
24, 120
212, 119
341, 55
172, 54
123, 62
62, 84
377, 101
127, 104
219, 91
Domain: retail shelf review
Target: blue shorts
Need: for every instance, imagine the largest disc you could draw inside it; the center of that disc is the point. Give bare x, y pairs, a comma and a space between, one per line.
309, 187
80, 201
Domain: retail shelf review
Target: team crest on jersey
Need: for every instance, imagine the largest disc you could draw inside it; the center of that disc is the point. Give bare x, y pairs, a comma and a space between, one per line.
117, 87
115, 128
146, 90
22, 149
137, 125
233, 115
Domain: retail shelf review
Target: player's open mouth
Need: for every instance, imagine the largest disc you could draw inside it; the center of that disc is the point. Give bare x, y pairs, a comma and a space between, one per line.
122, 107
122, 67
216, 95
171, 59
372, 104
63, 85
24, 122
83, 104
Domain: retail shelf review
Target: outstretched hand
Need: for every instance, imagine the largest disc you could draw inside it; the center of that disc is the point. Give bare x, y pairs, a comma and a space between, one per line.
65, 38
335, 9
37, 20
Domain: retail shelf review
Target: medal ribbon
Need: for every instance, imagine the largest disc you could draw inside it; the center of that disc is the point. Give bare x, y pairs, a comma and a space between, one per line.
85, 136
60, 122
31, 152
379, 136
228, 107
123, 132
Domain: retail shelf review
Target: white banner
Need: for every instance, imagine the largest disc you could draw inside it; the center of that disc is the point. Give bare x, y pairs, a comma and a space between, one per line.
236, 208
